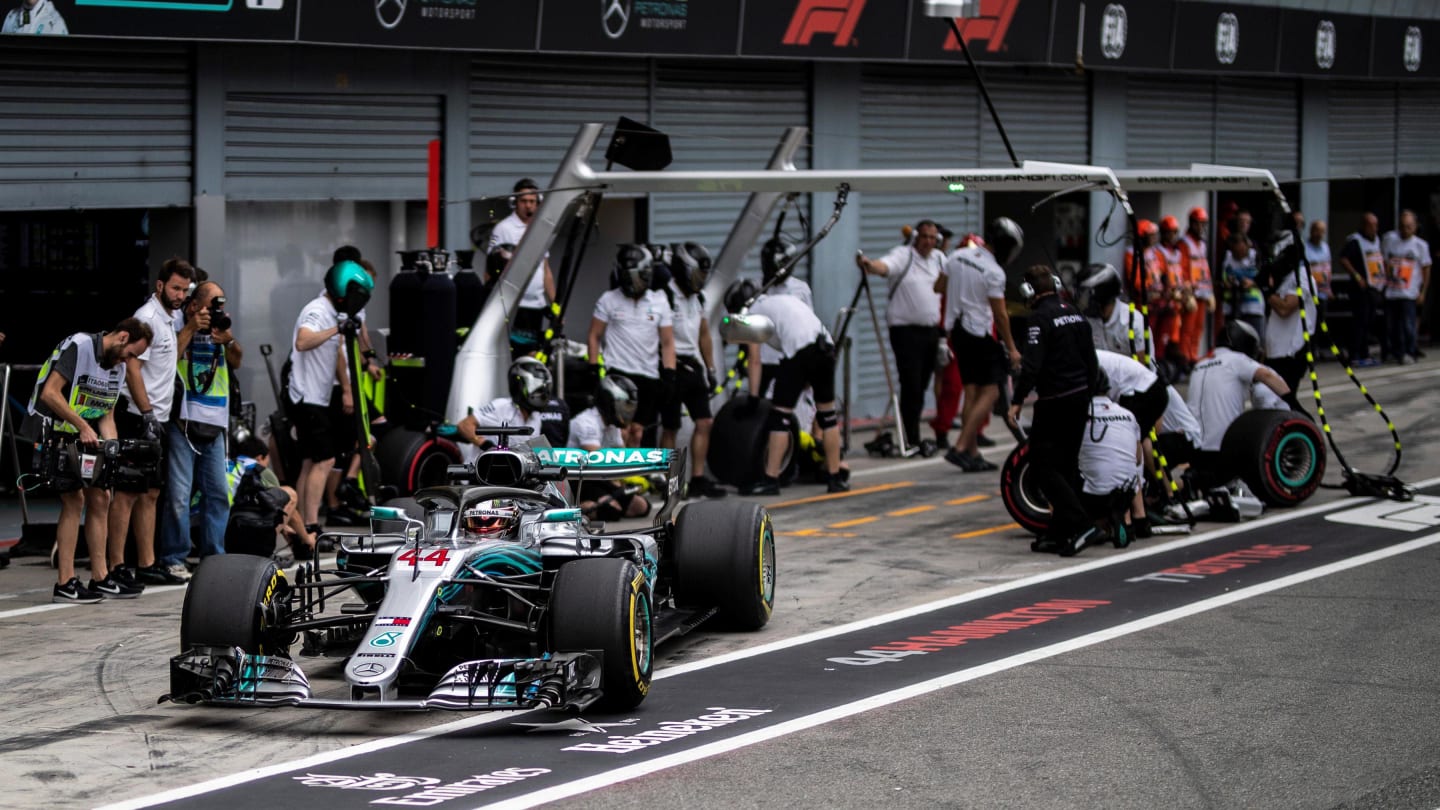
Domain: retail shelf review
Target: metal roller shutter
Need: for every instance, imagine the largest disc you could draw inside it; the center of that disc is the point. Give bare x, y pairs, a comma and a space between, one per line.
909, 118
1362, 130
1419, 149
1170, 122
522, 119
95, 128
306, 146
1258, 124
1047, 117
723, 117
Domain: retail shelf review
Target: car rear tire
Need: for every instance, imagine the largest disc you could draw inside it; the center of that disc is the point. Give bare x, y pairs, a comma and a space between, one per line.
411, 459
724, 555
1023, 498
604, 604
237, 600
1279, 454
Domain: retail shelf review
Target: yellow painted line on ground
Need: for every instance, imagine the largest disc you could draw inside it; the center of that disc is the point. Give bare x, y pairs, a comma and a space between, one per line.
846, 524
914, 510
967, 499
837, 495
991, 530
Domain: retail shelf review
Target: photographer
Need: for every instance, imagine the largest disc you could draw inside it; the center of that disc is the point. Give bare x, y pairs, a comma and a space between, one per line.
73, 404
197, 439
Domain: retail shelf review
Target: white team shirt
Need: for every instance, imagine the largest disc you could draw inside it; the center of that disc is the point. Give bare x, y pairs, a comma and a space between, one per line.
1127, 376
688, 312
911, 279
1109, 451
44, 19
796, 325
1283, 333
1218, 387
312, 373
1113, 334
791, 286
974, 279
1178, 419
508, 232
632, 330
588, 431
157, 363
1404, 259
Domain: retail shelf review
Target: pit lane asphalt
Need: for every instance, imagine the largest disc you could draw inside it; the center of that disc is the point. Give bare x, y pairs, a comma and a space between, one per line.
1321, 694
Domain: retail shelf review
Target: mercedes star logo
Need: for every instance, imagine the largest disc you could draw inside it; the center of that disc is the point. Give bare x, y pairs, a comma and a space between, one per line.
390, 12
1114, 30
368, 670
1325, 45
614, 17
1227, 38
1412, 48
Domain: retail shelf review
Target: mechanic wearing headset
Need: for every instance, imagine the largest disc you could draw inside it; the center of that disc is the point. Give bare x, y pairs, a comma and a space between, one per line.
1115, 324
531, 404
1221, 381
913, 315
1110, 464
808, 360
1059, 365
528, 326
637, 327
696, 379
75, 393
601, 426
777, 252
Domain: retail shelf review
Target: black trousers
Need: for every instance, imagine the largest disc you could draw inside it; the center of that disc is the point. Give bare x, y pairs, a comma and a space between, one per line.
1292, 370
1055, 436
915, 348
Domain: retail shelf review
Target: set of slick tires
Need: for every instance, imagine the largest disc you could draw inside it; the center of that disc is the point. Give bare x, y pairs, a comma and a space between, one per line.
1279, 454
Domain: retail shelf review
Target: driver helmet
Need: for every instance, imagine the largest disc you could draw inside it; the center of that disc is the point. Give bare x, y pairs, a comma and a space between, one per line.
691, 266
777, 252
1098, 285
531, 384
1004, 239
634, 270
616, 399
738, 294
497, 518
1240, 337
348, 283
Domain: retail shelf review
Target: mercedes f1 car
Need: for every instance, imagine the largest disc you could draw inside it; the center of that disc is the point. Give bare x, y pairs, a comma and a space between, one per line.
492, 592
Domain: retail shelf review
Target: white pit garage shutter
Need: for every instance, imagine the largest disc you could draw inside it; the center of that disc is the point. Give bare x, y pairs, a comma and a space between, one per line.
105, 127
1419, 147
723, 116
1362, 130
1257, 124
909, 118
523, 116
1170, 122
306, 146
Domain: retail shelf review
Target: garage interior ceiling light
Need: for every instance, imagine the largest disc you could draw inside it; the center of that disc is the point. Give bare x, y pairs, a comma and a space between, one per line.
952, 8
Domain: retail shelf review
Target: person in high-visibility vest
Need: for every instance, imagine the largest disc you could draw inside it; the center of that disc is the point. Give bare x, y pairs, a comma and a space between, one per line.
1197, 261
1176, 292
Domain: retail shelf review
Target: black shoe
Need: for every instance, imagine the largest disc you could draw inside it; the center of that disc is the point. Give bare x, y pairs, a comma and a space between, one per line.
1077, 542
159, 574
882, 445
928, 448
1140, 529
112, 588
702, 487
837, 483
765, 486
959, 459
1122, 536
74, 593
1045, 545
984, 441
127, 575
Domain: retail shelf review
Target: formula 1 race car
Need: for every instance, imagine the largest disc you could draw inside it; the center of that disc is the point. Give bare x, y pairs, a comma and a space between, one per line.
491, 595
1278, 455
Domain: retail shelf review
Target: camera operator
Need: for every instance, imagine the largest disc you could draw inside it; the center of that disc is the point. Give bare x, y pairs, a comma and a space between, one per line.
317, 360
150, 380
73, 404
197, 439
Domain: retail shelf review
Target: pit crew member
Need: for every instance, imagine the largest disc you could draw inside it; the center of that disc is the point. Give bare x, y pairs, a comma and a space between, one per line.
528, 326
1110, 465
695, 375
531, 404
637, 327
1286, 343
1221, 382
1115, 324
601, 426
777, 252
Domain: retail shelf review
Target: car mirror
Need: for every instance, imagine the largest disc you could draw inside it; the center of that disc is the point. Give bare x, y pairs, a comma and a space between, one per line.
387, 513
747, 327
560, 516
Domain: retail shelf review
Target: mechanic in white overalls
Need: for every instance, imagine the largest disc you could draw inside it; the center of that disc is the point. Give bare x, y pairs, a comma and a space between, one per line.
1221, 383
1111, 465
637, 327
531, 404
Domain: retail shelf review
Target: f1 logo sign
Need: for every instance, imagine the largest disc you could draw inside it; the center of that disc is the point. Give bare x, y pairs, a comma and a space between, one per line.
990, 27
835, 17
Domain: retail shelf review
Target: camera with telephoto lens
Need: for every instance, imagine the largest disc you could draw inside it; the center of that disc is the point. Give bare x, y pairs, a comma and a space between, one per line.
219, 319
129, 465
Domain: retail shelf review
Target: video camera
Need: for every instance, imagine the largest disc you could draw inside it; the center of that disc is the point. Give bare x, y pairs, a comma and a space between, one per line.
129, 465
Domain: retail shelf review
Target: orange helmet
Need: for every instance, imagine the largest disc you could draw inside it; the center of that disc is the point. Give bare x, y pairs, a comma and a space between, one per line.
1146, 227
1169, 224
1197, 214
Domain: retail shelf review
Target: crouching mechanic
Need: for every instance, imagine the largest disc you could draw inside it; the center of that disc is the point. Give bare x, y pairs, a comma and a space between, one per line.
808, 359
1220, 384
74, 403
696, 379
600, 426
531, 404
1110, 464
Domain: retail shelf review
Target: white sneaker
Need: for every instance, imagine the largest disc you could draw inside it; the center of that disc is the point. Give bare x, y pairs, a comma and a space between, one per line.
179, 571
1407, 360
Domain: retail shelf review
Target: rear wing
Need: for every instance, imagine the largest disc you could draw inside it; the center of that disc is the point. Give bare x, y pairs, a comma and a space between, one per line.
621, 462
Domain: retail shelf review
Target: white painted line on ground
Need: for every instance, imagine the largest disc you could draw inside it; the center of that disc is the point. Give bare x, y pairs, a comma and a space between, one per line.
619, 775
242, 777
17, 612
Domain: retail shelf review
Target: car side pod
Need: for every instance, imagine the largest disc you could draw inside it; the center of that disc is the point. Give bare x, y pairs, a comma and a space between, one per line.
229, 675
